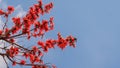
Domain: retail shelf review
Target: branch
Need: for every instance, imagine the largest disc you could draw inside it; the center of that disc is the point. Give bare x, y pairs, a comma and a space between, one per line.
5, 23
17, 45
24, 64
2, 54
5, 61
17, 34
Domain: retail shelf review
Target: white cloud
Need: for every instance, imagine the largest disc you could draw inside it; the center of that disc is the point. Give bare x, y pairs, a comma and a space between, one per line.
2, 62
1, 22
20, 11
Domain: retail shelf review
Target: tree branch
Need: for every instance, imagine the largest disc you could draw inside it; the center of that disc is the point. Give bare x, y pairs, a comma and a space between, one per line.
5, 61
5, 23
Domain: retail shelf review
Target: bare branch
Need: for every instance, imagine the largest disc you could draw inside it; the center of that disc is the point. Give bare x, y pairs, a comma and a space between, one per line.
5, 61
5, 25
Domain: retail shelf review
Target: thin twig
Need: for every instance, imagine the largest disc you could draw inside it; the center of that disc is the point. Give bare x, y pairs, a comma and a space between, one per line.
25, 64
5, 61
5, 23
17, 45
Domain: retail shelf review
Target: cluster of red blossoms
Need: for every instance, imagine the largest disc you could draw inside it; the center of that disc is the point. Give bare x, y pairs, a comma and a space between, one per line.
28, 27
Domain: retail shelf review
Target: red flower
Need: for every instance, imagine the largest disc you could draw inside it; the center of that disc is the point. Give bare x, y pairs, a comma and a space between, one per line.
16, 21
6, 30
37, 59
1, 12
15, 29
45, 25
51, 23
32, 57
44, 66
71, 40
0, 32
62, 43
26, 55
34, 48
46, 49
48, 7
12, 40
40, 2
22, 62
14, 63
10, 9
39, 53
41, 44
50, 43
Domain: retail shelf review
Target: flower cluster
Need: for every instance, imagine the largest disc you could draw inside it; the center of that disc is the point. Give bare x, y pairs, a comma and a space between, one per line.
10, 10
29, 27
13, 51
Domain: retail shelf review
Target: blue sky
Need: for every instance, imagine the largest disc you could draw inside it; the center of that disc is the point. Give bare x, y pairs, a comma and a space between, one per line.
95, 23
